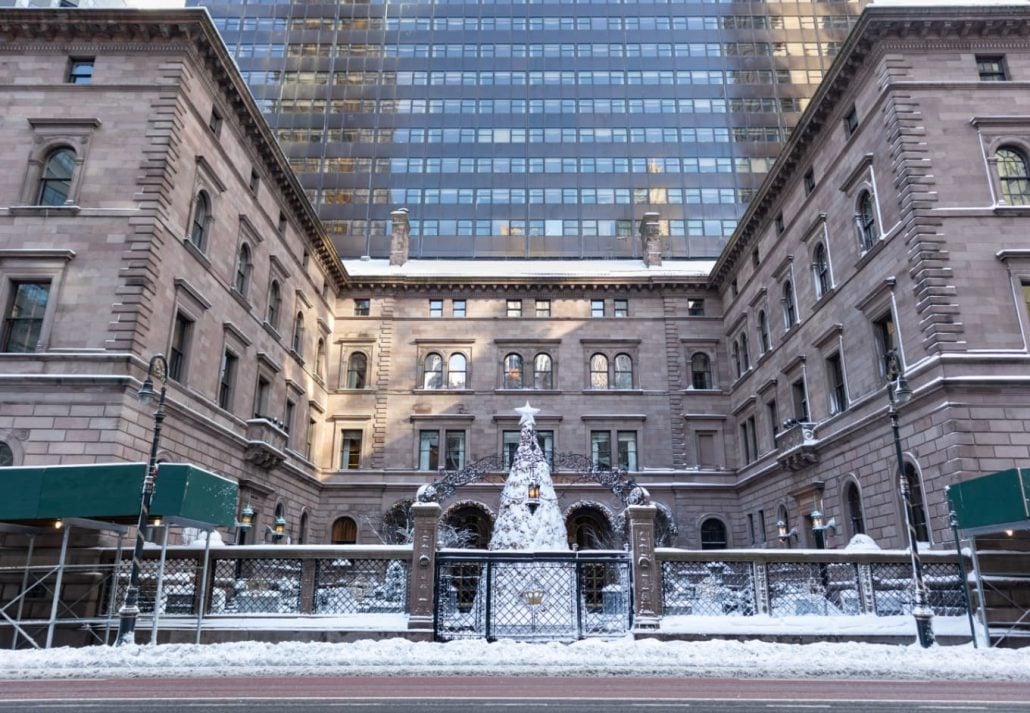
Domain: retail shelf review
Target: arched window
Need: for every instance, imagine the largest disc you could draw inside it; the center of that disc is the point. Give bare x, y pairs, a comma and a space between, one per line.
598, 371
55, 183
764, 343
589, 529
745, 353
432, 371
790, 313
513, 371
1013, 175
701, 371
320, 359
201, 216
916, 505
345, 531
298, 333
302, 529
853, 501
6, 455
866, 219
357, 371
821, 270
713, 534
275, 303
457, 371
735, 352
623, 371
543, 372
472, 526
243, 265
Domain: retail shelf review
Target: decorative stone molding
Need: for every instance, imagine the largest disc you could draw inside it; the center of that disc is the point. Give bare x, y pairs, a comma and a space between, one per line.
266, 442
797, 445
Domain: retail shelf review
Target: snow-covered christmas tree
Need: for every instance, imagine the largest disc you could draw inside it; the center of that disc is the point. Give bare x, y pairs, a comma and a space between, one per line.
528, 517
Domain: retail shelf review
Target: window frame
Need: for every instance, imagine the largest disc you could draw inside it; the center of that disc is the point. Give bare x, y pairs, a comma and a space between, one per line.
513, 308
72, 76
362, 306
1009, 197
707, 373
347, 436
999, 73
45, 180
228, 374
179, 357
866, 221
822, 271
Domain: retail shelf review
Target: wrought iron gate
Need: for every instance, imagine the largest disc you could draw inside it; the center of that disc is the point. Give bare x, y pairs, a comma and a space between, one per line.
553, 596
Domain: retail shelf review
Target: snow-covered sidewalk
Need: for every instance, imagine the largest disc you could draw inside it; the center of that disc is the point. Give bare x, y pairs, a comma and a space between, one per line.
724, 659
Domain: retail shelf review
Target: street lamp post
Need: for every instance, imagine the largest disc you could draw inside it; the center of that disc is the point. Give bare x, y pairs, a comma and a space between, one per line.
899, 393
127, 615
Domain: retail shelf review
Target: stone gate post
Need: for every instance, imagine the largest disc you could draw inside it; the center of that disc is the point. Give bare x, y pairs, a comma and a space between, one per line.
647, 580
421, 594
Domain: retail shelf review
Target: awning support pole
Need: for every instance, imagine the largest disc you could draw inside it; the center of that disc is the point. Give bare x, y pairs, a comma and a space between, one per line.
57, 586
115, 579
24, 586
203, 586
982, 613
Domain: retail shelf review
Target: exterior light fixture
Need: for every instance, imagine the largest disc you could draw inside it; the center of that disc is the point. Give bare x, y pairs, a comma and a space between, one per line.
246, 517
819, 528
533, 496
278, 528
785, 535
58, 524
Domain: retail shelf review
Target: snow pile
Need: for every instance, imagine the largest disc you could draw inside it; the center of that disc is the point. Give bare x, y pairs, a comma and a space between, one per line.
728, 659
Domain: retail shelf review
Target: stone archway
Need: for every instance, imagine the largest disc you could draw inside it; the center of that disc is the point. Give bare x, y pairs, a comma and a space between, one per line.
589, 526
469, 523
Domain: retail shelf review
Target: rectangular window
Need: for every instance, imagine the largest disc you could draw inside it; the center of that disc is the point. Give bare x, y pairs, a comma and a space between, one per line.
800, 397
543, 308
288, 415
745, 444
627, 443
622, 308
596, 308
509, 444
835, 382
215, 121
179, 349
751, 527
706, 450
458, 308
696, 308
454, 457
255, 179
282, 223
309, 438
227, 381
545, 439
779, 223
883, 333
361, 306
436, 308
350, 450
80, 70
428, 450
761, 525
851, 122
774, 420
752, 433
601, 449
23, 318
514, 308
991, 68
261, 398
809, 181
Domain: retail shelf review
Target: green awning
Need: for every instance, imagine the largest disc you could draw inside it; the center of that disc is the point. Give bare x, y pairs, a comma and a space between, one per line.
995, 502
111, 492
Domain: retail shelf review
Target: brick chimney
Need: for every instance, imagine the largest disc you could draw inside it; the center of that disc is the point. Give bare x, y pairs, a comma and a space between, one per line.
651, 240
399, 237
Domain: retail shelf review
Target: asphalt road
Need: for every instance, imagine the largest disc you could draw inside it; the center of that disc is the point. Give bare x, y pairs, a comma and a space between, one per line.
370, 694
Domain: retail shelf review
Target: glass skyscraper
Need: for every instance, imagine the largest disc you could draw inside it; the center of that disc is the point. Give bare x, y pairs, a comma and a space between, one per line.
543, 128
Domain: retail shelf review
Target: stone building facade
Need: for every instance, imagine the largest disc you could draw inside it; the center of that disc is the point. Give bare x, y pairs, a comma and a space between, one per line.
741, 392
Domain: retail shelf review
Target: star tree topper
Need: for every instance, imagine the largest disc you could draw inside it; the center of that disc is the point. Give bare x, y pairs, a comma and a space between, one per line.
528, 414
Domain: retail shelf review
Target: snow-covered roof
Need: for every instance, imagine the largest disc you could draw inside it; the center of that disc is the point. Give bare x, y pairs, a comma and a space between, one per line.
378, 268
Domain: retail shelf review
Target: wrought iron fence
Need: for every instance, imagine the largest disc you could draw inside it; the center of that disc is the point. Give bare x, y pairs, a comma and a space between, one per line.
819, 588
893, 594
708, 588
256, 586
546, 597
356, 586
178, 588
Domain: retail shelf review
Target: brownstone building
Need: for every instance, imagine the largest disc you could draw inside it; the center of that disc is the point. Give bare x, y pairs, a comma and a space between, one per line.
146, 208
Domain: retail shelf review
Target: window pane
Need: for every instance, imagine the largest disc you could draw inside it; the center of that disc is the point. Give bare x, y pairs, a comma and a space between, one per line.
598, 371
509, 444
432, 374
455, 459
601, 449
23, 322
513, 371
456, 371
350, 451
627, 450
428, 450
543, 376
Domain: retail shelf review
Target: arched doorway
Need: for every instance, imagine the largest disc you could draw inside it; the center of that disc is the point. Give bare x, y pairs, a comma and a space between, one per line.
853, 503
345, 531
713, 534
468, 525
589, 527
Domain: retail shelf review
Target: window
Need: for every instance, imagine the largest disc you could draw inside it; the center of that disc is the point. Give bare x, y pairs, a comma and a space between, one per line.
177, 353
809, 181
56, 180
756, 259
866, 220
916, 507
790, 315
706, 449
696, 308
700, 371
713, 534
510, 444
432, 371
779, 223
514, 308
745, 353
835, 383
764, 341
596, 308
853, 501
513, 371
458, 308
751, 527
350, 450
345, 531
275, 303
23, 317
454, 453
622, 308
201, 219
243, 267
851, 122
883, 334
991, 68
297, 342
281, 225
457, 371
261, 397
623, 371
774, 420
601, 449
357, 371
436, 308
1013, 176
627, 444
288, 415
320, 360
799, 394
428, 450
215, 121
227, 380
761, 525
821, 271
361, 307
309, 438
80, 70
735, 355
598, 371
6, 455
255, 179
543, 372
543, 308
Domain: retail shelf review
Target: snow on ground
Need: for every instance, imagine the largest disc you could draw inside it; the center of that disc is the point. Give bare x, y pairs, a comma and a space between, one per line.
646, 657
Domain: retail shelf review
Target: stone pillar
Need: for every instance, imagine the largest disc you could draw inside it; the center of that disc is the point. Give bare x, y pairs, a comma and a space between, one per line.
399, 237
647, 580
421, 584
651, 239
